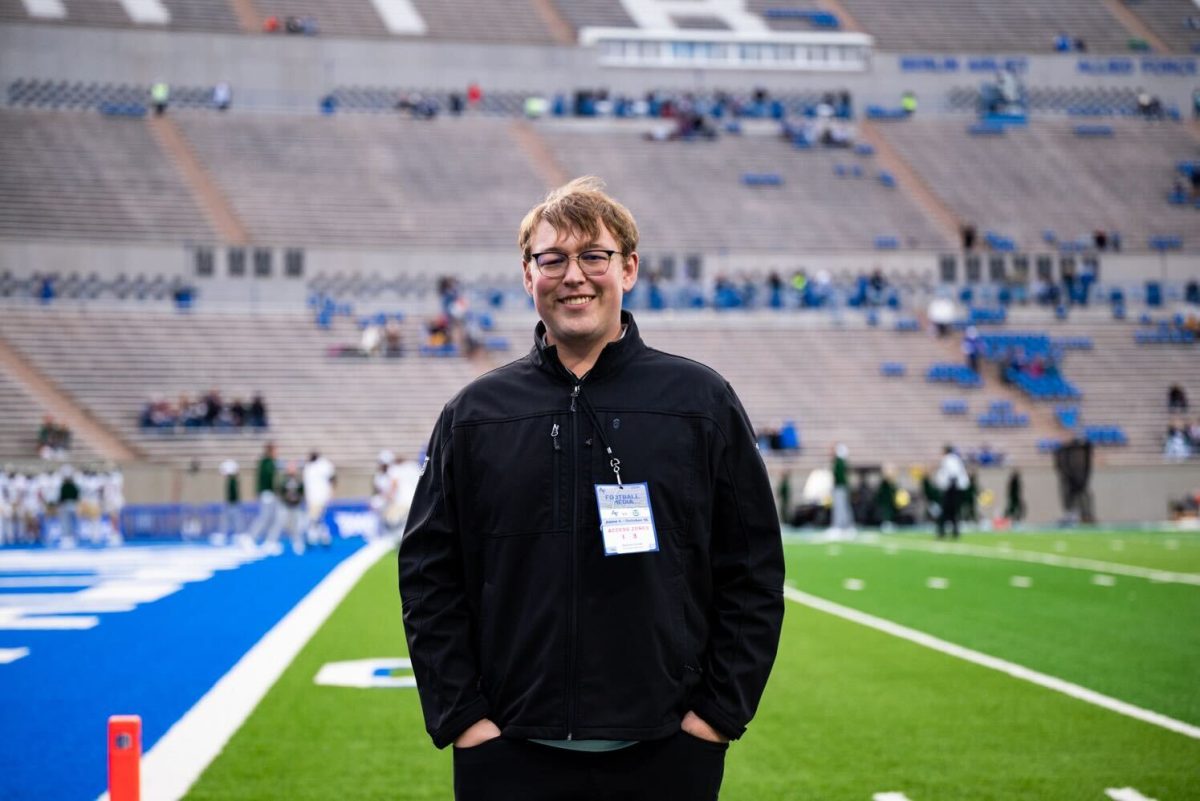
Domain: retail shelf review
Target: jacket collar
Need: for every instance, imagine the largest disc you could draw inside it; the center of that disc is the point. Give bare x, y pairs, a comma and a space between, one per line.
612, 358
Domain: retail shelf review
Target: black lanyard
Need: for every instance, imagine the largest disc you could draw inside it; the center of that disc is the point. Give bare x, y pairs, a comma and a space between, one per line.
613, 461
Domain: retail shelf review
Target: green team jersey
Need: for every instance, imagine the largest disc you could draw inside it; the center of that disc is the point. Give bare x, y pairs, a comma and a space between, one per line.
266, 474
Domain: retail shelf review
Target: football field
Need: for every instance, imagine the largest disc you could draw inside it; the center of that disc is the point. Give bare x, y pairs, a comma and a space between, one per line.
1027, 666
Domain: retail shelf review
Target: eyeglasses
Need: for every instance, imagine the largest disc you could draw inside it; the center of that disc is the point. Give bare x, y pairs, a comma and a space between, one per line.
553, 264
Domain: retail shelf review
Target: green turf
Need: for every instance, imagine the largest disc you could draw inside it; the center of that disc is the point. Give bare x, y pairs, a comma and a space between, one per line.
1136, 640
1178, 551
849, 712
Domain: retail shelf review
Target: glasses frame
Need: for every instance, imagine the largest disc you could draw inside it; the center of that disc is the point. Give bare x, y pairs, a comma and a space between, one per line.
533, 257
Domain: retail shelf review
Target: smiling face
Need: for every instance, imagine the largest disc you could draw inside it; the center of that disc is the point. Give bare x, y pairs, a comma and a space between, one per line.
582, 313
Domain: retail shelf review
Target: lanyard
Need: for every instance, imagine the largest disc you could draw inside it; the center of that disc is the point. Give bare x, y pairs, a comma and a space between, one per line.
613, 461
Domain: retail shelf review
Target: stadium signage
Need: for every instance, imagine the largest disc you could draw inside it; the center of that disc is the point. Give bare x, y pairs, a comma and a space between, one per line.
735, 50
943, 64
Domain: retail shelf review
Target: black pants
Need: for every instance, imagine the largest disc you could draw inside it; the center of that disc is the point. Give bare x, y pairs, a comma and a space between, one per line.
950, 500
678, 768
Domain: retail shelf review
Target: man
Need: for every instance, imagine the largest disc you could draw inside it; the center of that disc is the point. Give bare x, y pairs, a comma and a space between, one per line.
291, 497
319, 479
231, 522
264, 485
592, 568
841, 515
952, 480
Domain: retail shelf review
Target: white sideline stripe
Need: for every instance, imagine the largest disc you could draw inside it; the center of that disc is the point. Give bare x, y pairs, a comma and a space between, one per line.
1094, 565
175, 762
42, 622
1126, 794
889, 797
46, 9
994, 663
25, 582
9, 655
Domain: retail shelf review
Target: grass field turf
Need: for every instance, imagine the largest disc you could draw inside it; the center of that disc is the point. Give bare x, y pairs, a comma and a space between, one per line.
849, 712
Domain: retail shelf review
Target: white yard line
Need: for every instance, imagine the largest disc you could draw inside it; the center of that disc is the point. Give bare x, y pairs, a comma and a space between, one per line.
175, 762
994, 663
8, 655
1054, 560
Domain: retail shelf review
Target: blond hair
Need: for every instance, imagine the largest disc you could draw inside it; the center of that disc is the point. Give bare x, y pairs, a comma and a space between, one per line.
580, 207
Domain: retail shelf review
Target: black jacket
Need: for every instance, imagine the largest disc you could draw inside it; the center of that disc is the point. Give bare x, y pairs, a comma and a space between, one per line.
511, 608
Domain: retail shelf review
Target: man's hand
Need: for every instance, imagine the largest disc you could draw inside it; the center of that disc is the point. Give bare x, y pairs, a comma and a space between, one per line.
695, 726
480, 732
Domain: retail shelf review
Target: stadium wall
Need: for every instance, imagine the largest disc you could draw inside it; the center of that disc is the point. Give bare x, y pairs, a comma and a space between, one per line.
291, 72
1123, 495
108, 260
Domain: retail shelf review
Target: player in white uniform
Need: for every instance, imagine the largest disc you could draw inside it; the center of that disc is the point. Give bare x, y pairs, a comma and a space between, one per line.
383, 495
8, 510
319, 478
112, 495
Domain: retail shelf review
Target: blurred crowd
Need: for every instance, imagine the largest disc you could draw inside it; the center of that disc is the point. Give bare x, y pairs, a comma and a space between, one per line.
206, 411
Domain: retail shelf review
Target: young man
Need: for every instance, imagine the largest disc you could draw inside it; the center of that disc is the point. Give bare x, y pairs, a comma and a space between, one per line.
592, 571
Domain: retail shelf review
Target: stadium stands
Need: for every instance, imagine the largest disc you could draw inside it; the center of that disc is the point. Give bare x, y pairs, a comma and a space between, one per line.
20, 421
691, 195
987, 27
1044, 176
184, 15
368, 180
1168, 19
84, 177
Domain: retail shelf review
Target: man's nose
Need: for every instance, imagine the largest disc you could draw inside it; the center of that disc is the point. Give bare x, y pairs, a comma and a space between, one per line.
574, 273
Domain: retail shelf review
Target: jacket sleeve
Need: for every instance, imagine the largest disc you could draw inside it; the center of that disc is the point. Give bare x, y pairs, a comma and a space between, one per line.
437, 616
746, 555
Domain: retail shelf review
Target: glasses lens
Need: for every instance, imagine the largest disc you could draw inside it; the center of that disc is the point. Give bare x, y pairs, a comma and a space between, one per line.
551, 262
593, 262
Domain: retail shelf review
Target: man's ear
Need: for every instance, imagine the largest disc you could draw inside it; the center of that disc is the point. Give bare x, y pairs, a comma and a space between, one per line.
629, 271
527, 277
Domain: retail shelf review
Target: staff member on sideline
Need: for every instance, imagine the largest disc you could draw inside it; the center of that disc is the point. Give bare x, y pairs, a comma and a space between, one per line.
592, 571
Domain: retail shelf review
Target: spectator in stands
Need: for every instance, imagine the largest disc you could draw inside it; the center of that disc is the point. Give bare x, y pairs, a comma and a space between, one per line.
841, 515
952, 483
1177, 399
256, 415
54, 439
237, 413
908, 102
474, 95
1176, 446
969, 234
222, 96
393, 339
271, 24
160, 97
1080, 44
1062, 43
213, 407
371, 342
972, 348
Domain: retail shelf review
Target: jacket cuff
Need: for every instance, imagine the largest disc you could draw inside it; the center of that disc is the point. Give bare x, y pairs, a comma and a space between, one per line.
464, 719
711, 714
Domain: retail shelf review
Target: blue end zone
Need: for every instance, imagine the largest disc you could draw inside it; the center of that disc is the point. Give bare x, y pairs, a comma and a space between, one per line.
155, 661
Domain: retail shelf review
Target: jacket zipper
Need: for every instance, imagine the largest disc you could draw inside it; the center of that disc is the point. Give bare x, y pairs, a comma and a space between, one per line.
557, 477
573, 611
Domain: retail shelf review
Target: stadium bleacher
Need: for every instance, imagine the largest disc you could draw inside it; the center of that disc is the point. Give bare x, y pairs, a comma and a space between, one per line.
1043, 176
84, 177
